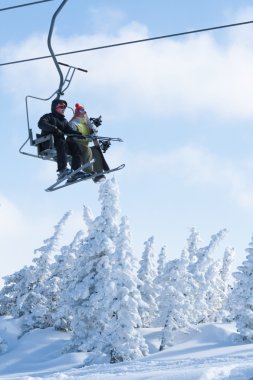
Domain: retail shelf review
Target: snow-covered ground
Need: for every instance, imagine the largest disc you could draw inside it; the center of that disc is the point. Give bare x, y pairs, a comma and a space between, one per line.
210, 354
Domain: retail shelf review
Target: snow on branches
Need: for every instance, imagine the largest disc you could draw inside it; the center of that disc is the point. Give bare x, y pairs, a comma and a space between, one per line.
96, 289
103, 295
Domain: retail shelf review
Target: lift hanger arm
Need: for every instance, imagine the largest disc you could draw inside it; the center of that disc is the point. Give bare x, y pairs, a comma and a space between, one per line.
59, 91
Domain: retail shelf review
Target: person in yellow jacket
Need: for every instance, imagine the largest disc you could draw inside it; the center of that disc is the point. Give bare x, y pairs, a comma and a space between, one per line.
81, 122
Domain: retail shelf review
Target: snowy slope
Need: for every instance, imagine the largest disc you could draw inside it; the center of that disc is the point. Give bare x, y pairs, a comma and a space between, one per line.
208, 354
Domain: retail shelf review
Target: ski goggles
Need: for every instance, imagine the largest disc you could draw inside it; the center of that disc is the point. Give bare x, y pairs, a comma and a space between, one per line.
61, 106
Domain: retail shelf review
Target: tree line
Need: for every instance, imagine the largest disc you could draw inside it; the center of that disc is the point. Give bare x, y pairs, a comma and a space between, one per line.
97, 290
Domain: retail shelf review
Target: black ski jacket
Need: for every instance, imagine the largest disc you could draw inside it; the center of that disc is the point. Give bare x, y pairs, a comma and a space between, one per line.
55, 123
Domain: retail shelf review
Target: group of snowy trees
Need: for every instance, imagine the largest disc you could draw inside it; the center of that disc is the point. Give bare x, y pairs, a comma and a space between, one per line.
96, 289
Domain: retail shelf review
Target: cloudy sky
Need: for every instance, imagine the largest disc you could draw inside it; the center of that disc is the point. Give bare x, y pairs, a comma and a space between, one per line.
183, 106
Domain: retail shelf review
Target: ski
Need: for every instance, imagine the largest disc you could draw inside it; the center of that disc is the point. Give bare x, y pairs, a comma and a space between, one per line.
56, 186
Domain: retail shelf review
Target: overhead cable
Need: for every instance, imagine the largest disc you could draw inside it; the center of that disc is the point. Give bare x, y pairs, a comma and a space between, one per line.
133, 42
24, 5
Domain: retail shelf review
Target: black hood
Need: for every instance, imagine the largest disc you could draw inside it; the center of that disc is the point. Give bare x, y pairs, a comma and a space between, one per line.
55, 102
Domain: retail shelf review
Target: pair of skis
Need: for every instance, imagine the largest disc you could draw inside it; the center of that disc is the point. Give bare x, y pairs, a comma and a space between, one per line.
59, 184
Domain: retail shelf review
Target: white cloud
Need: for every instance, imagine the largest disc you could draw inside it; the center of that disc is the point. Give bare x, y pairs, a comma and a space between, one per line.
104, 19
192, 75
13, 236
196, 167
11, 218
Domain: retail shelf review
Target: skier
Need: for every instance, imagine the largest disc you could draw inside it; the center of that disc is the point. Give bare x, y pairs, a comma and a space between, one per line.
82, 123
55, 123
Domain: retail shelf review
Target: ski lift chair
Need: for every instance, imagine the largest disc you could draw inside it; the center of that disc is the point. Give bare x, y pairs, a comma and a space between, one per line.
45, 147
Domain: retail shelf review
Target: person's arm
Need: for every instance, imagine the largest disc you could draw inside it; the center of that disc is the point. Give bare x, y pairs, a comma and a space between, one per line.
45, 123
68, 130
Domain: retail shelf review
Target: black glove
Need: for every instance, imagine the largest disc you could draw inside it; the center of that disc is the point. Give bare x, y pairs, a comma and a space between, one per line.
72, 134
104, 145
97, 121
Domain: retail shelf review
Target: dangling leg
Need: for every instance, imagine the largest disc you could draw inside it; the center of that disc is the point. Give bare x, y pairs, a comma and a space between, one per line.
100, 164
86, 157
60, 146
61, 150
75, 152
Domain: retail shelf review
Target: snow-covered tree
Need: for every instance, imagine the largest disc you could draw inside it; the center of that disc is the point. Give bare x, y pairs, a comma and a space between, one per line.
15, 287
207, 274
159, 279
228, 259
62, 270
241, 299
124, 340
163, 299
110, 207
148, 287
178, 293
38, 303
89, 295
203, 254
200, 273
104, 296
225, 286
215, 294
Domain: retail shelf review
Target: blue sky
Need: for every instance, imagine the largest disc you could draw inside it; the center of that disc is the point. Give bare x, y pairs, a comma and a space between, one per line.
183, 107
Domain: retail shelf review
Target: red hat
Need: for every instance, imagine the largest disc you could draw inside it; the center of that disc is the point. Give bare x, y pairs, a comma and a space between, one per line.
79, 108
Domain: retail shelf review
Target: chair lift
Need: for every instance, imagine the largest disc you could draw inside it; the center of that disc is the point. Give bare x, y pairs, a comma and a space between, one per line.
45, 144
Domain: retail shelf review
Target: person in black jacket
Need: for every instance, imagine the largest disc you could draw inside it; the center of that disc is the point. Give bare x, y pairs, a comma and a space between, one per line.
55, 123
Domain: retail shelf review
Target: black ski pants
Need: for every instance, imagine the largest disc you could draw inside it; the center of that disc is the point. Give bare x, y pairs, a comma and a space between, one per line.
64, 147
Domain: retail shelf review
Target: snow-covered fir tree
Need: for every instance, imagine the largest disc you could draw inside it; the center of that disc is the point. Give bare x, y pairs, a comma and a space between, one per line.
225, 281
149, 292
90, 292
124, 340
206, 273
104, 296
40, 300
241, 298
179, 298
110, 207
159, 279
15, 287
159, 284
227, 262
62, 270
214, 295
203, 255
163, 299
